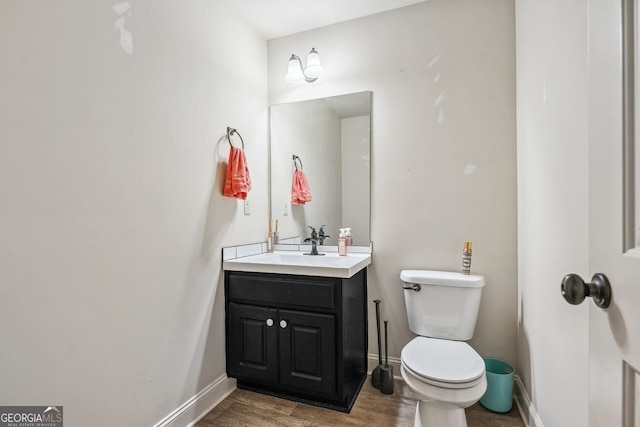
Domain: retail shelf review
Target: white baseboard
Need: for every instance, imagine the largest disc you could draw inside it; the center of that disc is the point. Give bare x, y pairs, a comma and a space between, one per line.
393, 362
525, 406
194, 409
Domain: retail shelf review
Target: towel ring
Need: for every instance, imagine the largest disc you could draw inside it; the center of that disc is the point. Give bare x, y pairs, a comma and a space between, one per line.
295, 163
230, 133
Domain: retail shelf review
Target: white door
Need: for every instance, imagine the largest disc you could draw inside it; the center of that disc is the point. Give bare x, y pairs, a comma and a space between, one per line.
614, 337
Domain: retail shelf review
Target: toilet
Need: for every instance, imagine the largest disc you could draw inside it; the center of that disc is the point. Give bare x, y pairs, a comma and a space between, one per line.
446, 374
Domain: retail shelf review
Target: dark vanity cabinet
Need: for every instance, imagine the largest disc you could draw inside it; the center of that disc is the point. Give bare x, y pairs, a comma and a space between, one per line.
299, 337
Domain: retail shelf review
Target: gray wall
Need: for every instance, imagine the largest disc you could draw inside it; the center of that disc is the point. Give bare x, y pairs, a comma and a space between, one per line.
443, 146
112, 218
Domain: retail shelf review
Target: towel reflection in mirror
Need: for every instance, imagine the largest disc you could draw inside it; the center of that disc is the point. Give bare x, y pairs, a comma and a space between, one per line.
300, 191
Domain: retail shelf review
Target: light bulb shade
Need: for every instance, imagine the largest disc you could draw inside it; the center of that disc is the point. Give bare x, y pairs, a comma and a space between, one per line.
294, 72
314, 68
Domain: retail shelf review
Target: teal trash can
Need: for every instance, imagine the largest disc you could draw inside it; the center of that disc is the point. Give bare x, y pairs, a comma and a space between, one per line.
499, 394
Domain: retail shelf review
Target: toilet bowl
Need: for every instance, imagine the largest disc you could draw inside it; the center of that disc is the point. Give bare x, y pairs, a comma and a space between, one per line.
446, 374
446, 377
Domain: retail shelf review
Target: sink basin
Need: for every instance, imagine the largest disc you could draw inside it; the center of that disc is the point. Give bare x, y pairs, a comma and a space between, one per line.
288, 262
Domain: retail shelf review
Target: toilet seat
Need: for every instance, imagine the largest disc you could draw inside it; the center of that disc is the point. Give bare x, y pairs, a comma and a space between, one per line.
443, 363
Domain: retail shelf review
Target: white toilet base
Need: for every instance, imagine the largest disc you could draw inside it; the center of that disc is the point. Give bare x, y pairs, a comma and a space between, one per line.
440, 407
436, 414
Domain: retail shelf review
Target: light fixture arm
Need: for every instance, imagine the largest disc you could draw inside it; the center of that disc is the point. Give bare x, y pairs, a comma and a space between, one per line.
306, 78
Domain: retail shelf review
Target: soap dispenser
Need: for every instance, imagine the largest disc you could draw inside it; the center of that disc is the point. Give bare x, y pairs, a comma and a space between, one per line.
347, 236
342, 243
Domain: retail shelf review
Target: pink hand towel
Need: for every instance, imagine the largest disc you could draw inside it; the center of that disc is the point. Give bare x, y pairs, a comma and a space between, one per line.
300, 191
238, 182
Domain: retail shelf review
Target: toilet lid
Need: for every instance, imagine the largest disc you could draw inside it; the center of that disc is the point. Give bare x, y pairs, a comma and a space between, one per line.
443, 360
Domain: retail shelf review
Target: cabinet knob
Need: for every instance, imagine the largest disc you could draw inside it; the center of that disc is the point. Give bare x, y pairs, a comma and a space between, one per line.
283, 324
269, 322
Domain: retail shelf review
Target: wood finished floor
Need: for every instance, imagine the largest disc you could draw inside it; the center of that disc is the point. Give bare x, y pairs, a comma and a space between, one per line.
248, 409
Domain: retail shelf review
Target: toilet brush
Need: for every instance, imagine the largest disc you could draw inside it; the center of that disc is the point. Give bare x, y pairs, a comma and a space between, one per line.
375, 374
386, 372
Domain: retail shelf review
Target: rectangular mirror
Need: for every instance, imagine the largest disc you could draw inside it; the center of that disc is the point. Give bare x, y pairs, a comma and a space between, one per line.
332, 138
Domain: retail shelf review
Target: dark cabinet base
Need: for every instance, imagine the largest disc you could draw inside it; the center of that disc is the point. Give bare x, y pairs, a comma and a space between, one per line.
351, 393
299, 337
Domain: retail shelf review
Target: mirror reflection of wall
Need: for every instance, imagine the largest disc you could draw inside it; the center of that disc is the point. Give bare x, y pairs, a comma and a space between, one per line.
332, 138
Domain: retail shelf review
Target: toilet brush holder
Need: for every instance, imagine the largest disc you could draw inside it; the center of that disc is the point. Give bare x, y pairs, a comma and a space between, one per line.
386, 372
375, 374
386, 380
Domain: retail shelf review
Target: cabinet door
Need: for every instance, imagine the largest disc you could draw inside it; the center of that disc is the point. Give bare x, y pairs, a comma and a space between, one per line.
252, 343
308, 352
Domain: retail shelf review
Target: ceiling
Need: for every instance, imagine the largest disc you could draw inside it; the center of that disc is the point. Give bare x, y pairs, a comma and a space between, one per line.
277, 18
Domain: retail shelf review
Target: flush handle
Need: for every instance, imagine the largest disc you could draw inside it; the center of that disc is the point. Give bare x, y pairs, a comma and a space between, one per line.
412, 287
574, 290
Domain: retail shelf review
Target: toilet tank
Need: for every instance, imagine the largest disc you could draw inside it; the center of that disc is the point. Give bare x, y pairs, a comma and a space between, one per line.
442, 304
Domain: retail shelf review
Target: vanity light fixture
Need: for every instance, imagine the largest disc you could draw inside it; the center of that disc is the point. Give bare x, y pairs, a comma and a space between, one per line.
298, 74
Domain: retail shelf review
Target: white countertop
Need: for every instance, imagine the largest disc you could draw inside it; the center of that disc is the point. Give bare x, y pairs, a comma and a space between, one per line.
289, 262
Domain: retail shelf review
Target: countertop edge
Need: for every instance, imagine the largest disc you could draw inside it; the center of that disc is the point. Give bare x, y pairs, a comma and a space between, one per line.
343, 273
